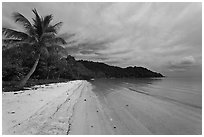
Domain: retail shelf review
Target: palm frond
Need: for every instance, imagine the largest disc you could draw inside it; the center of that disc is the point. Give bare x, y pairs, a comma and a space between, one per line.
56, 40
46, 21
23, 21
54, 28
10, 33
58, 25
37, 23
59, 40
40, 34
67, 37
47, 36
8, 41
15, 42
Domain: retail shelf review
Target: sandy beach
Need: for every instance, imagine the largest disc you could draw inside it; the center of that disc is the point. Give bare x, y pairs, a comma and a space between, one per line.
76, 108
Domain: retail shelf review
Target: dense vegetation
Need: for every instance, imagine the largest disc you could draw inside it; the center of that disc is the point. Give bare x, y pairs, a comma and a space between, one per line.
17, 61
38, 35
103, 70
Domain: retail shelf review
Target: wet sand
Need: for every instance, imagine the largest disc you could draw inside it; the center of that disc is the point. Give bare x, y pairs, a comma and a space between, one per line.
84, 108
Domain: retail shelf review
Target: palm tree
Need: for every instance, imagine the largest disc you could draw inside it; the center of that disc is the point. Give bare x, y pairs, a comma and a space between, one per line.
40, 34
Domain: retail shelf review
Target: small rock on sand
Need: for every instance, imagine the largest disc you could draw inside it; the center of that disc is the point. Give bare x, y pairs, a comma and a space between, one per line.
34, 88
12, 112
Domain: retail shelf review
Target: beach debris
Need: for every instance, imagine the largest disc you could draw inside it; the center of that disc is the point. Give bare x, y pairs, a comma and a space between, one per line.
114, 127
84, 99
34, 88
19, 123
91, 126
29, 94
127, 105
97, 111
20, 92
26, 88
15, 93
12, 112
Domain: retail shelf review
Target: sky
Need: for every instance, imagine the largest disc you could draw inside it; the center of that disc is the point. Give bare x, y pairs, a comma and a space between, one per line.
163, 37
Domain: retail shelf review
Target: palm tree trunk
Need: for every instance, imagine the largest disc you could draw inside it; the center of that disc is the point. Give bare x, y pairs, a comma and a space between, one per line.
24, 81
48, 74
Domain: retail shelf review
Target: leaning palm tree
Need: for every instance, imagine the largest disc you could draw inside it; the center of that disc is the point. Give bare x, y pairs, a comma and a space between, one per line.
40, 34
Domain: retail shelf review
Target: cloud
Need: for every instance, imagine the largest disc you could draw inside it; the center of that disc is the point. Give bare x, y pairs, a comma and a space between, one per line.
156, 35
182, 64
186, 61
88, 47
86, 51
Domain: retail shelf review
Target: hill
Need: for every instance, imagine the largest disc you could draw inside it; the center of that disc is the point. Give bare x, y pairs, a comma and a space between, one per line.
103, 70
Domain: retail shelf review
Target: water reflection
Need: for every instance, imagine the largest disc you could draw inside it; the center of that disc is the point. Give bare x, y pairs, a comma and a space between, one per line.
182, 91
107, 86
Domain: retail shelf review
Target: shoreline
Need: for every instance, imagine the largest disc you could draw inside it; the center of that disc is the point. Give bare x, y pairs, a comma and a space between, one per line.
82, 108
10, 86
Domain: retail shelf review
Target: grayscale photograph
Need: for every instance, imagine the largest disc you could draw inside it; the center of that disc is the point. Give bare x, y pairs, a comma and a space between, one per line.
101, 68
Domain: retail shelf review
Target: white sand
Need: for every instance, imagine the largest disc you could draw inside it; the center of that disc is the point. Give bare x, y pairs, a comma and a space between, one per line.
19, 108
73, 108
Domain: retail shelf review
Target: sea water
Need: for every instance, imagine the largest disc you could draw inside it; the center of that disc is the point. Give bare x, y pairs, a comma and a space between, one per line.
162, 105
185, 91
